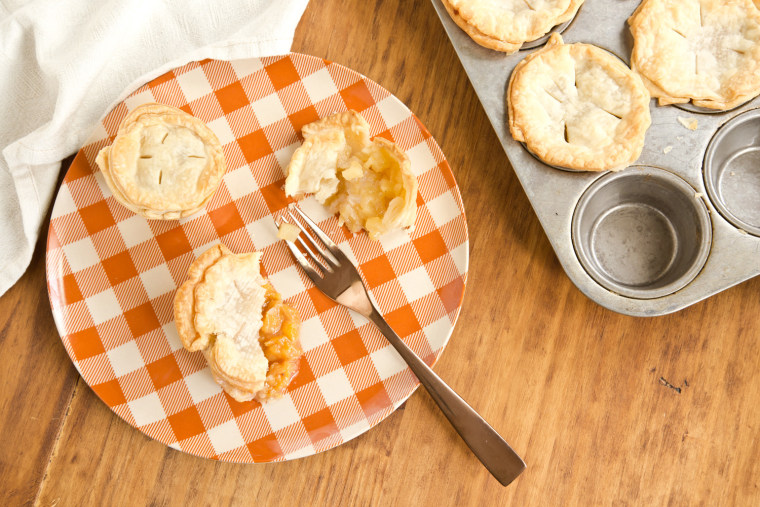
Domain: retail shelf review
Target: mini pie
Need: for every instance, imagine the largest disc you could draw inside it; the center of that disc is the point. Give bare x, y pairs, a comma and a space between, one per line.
504, 25
163, 163
369, 183
248, 335
579, 107
706, 51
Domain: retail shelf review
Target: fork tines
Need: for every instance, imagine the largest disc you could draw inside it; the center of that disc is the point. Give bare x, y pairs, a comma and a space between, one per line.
326, 256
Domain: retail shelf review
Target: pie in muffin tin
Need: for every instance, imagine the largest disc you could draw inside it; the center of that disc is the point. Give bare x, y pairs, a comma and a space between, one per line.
506, 25
677, 219
579, 107
703, 51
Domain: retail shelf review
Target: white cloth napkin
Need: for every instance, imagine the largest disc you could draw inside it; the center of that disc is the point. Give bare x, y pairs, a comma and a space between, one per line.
63, 65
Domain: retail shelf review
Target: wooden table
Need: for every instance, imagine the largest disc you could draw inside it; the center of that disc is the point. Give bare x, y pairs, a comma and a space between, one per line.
604, 408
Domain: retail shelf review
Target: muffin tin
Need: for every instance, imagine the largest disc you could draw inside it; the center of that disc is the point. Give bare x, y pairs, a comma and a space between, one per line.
680, 225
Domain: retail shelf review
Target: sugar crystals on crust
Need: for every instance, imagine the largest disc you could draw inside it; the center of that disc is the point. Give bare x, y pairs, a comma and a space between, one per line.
704, 51
163, 163
579, 107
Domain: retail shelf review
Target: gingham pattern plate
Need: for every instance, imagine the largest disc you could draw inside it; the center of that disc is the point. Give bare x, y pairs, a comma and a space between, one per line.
112, 274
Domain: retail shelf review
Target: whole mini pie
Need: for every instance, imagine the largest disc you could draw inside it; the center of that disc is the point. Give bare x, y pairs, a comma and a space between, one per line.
369, 183
504, 25
579, 107
163, 163
706, 51
248, 335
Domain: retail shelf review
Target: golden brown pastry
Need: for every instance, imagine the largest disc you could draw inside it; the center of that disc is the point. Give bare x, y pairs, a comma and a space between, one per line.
704, 51
248, 335
369, 183
504, 25
579, 107
163, 163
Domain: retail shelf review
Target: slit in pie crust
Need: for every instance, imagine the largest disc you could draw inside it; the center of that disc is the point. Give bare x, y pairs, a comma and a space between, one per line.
579, 107
248, 335
504, 25
703, 51
163, 163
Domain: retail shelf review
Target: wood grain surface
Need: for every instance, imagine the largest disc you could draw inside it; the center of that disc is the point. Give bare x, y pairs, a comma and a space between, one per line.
604, 408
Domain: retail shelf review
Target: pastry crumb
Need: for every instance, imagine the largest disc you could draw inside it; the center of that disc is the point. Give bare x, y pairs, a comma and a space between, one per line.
288, 232
689, 123
698, 195
667, 149
732, 173
742, 231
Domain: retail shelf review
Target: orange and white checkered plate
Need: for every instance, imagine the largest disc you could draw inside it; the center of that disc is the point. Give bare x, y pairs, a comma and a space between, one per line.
112, 274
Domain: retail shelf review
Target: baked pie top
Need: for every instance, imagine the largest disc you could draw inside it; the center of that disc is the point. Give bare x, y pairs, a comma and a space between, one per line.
706, 51
506, 24
369, 183
579, 107
163, 163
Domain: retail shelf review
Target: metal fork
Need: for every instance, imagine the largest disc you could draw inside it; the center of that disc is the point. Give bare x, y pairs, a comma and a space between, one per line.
339, 279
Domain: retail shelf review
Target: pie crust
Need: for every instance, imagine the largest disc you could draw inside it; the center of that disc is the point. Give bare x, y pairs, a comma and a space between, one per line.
369, 183
706, 51
576, 106
248, 335
163, 163
506, 24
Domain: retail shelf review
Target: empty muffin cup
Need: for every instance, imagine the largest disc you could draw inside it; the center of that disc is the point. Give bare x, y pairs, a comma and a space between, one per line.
642, 233
732, 171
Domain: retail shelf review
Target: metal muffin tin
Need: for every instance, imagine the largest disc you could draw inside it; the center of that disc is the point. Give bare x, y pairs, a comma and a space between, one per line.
680, 225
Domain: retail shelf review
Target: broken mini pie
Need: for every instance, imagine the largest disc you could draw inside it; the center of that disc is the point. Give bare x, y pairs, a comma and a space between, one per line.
248, 335
704, 51
163, 163
369, 183
576, 106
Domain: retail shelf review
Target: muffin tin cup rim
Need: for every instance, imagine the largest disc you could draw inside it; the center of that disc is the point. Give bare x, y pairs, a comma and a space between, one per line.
713, 193
691, 108
559, 28
679, 184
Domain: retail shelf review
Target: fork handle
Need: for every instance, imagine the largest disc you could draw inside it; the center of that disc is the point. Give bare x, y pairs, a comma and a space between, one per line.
492, 450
